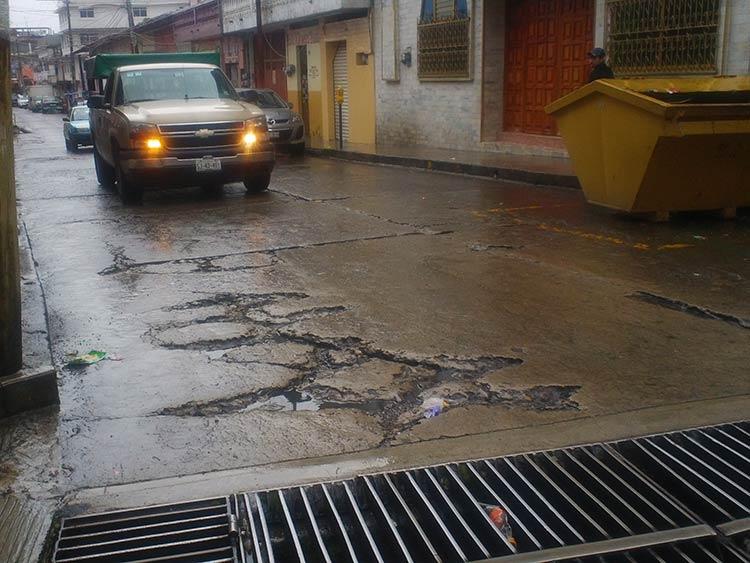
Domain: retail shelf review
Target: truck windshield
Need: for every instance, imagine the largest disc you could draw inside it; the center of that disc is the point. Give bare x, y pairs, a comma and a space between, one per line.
173, 84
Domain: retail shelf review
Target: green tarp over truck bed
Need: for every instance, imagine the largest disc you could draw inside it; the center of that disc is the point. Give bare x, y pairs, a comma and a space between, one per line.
101, 66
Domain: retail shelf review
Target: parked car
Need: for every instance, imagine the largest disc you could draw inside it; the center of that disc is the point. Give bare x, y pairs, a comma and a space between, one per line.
174, 123
285, 127
35, 104
51, 104
23, 101
76, 128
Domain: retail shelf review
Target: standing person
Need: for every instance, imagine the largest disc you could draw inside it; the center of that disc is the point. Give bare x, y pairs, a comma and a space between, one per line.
599, 68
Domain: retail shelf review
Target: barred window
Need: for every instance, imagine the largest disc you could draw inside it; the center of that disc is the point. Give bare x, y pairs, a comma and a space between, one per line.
662, 36
444, 40
86, 12
139, 12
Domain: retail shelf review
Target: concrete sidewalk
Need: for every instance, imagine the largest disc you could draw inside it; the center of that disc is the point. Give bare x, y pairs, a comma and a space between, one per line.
541, 170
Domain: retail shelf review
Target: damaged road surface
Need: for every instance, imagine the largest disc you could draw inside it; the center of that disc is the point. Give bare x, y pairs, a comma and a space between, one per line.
317, 319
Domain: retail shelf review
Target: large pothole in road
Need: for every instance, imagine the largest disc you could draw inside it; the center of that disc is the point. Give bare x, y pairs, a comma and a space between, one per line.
340, 372
205, 336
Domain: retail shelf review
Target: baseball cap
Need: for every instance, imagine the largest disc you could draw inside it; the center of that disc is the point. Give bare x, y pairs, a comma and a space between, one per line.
597, 52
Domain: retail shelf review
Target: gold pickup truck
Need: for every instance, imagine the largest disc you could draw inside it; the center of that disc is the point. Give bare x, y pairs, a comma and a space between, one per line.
176, 124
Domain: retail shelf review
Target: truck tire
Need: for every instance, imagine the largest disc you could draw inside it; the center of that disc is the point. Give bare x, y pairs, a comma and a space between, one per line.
129, 191
257, 182
104, 173
68, 145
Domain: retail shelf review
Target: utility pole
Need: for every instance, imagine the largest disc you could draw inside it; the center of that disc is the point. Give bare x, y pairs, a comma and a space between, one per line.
131, 25
259, 48
10, 276
70, 39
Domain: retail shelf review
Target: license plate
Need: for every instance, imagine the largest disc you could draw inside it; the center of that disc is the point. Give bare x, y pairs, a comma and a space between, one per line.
274, 134
208, 165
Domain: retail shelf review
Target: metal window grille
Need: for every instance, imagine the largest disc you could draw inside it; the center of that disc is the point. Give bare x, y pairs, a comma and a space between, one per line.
663, 36
444, 49
141, 12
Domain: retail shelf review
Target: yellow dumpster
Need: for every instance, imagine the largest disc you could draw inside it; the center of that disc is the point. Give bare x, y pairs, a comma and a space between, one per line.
660, 145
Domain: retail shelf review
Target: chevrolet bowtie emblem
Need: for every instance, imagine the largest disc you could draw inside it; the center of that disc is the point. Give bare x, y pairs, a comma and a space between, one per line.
203, 133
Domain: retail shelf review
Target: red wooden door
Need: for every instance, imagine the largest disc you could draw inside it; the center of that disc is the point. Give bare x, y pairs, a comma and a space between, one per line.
545, 57
270, 59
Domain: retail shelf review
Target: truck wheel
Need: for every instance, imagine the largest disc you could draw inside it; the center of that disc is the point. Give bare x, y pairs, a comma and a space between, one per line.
257, 182
129, 192
68, 145
104, 173
297, 150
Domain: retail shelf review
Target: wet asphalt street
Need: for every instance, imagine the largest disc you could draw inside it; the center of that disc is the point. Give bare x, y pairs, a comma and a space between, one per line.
316, 318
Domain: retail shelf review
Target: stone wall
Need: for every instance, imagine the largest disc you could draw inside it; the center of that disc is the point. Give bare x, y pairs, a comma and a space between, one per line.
410, 111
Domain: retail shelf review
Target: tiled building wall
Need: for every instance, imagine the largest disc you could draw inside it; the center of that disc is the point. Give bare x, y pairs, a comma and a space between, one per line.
410, 111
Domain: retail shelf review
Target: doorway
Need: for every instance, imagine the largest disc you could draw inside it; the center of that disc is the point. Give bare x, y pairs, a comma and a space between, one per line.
545, 58
341, 80
303, 87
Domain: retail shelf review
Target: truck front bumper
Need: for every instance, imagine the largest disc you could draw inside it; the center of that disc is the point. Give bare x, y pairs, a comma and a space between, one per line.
174, 171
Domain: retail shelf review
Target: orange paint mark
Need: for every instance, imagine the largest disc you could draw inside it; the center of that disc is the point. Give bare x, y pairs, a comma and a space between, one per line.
593, 236
675, 246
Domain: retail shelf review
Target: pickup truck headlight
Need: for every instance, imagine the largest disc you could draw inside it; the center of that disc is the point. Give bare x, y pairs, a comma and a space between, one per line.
145, 136
255, 130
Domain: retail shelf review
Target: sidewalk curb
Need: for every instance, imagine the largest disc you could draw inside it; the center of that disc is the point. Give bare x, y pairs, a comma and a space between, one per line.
35, 385
479, 170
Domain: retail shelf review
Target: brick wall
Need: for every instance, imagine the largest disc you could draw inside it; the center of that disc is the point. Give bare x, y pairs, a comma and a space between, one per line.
438, 114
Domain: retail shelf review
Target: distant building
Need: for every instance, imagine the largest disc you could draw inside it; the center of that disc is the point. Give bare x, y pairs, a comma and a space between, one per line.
90, 20
26, 45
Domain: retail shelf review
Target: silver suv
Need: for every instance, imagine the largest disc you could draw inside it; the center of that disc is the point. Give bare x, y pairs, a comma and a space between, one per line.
167, 124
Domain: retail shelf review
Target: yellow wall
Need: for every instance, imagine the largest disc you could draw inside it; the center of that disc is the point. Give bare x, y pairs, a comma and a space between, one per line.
321, 49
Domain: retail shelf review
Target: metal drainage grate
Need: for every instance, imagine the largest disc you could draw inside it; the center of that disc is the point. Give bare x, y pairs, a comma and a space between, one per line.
569, 503
707, 469
649, 499
199, 531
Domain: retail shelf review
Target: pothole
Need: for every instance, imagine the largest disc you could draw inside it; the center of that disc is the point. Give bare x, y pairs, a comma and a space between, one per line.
342, 372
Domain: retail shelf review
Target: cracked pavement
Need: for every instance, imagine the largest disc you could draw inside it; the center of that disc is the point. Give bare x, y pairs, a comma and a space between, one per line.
315, 319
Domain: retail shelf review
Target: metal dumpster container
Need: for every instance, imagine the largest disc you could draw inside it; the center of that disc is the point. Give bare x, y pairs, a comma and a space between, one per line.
660, 145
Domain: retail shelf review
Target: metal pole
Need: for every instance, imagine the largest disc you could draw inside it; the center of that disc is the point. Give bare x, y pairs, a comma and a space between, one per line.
70, 38
131, 25
258, 17
10, 277
341, 127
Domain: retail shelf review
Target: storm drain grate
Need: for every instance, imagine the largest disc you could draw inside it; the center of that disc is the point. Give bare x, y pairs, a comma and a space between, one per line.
568, 503
199, 531
708, 469
673, 497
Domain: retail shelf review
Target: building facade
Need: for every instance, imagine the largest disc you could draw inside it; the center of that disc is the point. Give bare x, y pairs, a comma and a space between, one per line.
306, 51
477, 74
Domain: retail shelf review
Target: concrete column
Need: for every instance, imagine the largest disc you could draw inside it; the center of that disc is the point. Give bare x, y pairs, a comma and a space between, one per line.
10, 287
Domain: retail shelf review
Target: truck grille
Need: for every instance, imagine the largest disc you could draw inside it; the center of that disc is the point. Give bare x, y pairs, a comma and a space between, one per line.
602, 502
198, 135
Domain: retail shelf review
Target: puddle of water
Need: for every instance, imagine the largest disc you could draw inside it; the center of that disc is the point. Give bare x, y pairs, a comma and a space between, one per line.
287, 401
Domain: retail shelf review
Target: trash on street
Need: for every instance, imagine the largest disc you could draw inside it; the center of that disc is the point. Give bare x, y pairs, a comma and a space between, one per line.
91, 357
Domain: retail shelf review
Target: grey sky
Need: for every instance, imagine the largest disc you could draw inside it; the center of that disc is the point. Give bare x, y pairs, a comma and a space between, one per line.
34, 13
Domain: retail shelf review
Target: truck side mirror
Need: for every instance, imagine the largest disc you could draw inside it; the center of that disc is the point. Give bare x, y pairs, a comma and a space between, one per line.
290, 104
95, 102
66, 119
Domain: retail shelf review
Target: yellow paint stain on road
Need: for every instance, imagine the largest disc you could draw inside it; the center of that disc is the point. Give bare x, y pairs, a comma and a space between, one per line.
675, 246
593, 236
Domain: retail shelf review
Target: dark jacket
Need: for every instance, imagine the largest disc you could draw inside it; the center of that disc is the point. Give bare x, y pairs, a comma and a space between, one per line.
601, 70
